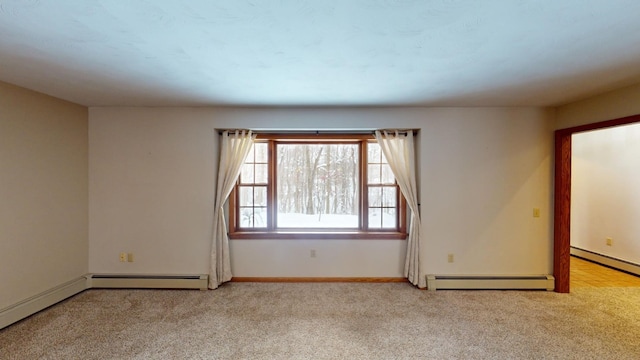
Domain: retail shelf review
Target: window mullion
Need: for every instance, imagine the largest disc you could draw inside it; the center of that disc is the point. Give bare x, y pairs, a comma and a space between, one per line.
272, 204
401, 210
234, 208
364, 186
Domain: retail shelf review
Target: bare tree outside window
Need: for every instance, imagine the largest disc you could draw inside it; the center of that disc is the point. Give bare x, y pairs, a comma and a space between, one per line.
317, 185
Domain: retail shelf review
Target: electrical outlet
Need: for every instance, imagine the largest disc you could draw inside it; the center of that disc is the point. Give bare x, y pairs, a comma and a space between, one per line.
609, 241
450, 258
313, 253
536, 212
130, 257
123, 257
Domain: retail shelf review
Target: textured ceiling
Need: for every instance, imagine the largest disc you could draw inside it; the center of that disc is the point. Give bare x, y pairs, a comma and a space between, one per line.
320, 53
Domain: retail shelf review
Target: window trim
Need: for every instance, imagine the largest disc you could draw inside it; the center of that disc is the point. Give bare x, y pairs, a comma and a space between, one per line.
317, 233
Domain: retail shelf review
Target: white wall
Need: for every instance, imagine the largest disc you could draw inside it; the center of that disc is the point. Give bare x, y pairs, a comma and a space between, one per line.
612, 105
43, 193
605, 192
482, 171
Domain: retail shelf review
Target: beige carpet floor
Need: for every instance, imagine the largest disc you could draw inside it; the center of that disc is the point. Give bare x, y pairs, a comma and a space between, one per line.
331, 321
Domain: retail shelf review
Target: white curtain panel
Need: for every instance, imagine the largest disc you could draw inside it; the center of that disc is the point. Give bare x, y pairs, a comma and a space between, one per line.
399, 150
234, 149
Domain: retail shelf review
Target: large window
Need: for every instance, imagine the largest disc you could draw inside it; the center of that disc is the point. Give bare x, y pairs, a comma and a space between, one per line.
322, 186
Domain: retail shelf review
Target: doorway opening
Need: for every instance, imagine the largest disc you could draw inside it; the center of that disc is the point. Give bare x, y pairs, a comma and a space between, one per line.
562, 197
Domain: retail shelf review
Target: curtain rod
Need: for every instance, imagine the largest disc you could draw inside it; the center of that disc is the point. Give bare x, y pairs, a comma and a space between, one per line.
321, 132
220, 131
400, 131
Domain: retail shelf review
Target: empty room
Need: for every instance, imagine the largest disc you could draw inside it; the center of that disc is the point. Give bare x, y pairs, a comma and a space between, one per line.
319, 179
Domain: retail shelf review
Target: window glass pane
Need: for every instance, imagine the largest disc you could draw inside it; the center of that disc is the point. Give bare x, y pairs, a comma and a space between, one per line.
389, 218
261, 173
246, 217
260, 217
317, 185
373, 174
389, 196
261, 152
375, 196
375, 218
260, 196
246, 175
387, 175
373, 152
246, 196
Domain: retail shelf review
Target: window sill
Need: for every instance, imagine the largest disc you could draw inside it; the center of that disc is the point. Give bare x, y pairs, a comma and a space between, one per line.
308, 235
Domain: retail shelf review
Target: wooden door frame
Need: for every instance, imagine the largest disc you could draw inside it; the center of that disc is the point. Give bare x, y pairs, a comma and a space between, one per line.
562, 196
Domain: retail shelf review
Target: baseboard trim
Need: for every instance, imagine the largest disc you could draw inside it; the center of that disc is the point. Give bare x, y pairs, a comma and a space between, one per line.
124, 281
321, 279
605, 260
489, 282
41, 301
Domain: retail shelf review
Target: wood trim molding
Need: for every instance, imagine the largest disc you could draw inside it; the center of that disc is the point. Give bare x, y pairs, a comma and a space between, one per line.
562, 211
603, 124
285, 235
562, 196
321, 279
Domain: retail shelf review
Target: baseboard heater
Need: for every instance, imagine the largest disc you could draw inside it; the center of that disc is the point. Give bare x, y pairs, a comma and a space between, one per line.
43, 300
471, 282
149, 281
605, 260
32, 305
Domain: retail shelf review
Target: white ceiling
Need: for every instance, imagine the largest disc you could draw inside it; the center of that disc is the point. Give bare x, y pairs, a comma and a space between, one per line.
320, 53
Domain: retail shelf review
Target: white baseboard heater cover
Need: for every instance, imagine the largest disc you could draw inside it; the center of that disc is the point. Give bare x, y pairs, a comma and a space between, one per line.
606, 260
32, 305
474, 282
149, 281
